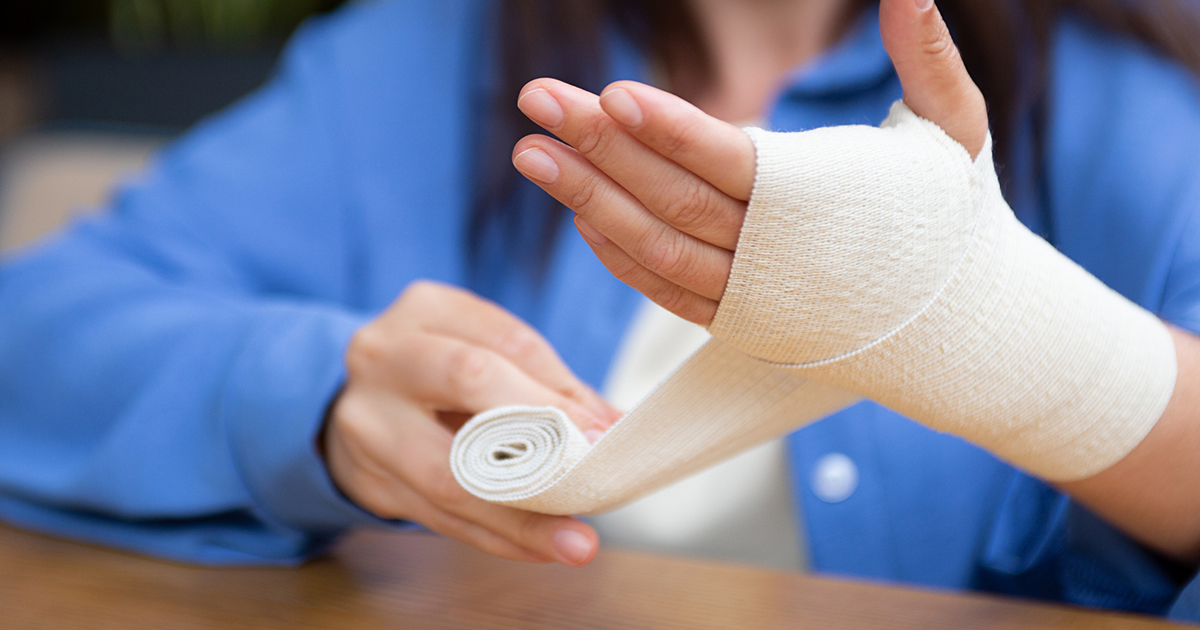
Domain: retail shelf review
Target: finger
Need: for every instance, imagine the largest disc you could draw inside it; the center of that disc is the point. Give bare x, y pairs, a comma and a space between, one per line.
474, 534
717, 151
452, 510
690, 306
449, 374
384, 496
673, 193
936, 84
454, 312
542, 537
693, 264
372, 486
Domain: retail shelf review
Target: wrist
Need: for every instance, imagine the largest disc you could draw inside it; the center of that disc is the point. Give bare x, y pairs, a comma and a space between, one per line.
886, 262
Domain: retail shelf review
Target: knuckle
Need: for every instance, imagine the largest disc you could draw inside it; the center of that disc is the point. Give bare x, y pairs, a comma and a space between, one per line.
667, 255
941, 46
687, 305
351, 420
369, 348
596, 138
520, 342
689, 205
675, 299
469, 367
584, 195
680, 136
530, 529
624, 268
697, 311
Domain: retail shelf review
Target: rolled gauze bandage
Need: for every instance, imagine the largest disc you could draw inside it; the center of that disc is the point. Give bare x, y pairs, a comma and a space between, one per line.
719, 403
886, 262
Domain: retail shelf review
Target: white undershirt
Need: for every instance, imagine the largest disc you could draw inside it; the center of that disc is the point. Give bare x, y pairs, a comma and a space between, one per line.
741, 510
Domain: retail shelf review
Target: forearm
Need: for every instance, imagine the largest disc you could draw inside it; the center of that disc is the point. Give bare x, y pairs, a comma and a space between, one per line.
1024, 353
1153, 494
1021, 352
167, 419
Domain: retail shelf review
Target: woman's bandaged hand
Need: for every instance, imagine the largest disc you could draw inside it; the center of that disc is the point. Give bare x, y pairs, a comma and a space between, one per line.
886, 262
883, 261
659, 188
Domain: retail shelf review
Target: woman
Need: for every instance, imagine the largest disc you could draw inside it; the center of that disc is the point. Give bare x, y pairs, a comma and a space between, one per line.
179, 357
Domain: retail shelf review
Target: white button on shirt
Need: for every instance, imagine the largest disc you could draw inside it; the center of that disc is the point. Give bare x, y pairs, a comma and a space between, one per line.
834, 478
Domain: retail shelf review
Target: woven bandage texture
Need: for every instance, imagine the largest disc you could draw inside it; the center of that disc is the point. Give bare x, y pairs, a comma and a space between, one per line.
718, 404
873, 262
885, 261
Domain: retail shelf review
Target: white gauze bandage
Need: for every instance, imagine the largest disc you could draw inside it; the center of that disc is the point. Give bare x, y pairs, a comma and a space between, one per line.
718, 404
876, 262
886, 262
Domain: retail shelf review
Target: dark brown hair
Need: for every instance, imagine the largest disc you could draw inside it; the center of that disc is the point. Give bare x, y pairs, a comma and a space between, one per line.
1004, 44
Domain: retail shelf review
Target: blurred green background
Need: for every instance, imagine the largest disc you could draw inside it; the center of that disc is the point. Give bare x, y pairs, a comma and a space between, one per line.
155, 64
216, 24
91, 89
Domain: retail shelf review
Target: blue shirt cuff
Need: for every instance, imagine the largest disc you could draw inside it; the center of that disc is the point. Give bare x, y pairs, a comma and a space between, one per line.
1104, 568
1187, 605
274, 407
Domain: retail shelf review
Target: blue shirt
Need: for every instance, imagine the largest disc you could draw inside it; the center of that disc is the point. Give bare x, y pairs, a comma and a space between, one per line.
167, 366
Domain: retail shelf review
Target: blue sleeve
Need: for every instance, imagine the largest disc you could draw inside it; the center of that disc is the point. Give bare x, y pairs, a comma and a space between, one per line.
1181, 296
1125, 197
165, 369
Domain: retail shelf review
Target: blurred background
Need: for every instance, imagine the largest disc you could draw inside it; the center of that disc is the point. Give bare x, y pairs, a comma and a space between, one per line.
89, 88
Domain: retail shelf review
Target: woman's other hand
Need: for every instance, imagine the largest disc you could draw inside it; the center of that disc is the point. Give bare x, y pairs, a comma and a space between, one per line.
660, 188
415, 374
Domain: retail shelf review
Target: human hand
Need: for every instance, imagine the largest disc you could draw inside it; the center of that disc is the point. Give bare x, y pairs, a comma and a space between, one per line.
415, 374
660, 189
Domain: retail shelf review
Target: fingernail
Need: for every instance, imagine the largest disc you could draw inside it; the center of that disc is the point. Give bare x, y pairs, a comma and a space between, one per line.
924, 5
541, 108
590, 233
572, 547
538, 165
623, 108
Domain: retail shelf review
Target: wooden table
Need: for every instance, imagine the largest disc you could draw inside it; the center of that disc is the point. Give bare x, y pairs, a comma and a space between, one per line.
388, 580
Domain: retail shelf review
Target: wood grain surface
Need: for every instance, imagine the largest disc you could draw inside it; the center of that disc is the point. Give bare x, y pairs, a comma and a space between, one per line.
389, 580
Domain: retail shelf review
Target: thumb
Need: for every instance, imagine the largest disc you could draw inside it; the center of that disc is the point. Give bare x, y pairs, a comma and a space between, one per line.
936, 84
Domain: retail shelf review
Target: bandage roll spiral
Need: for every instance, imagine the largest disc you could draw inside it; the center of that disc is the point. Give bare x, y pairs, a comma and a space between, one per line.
873, 262
517, 451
